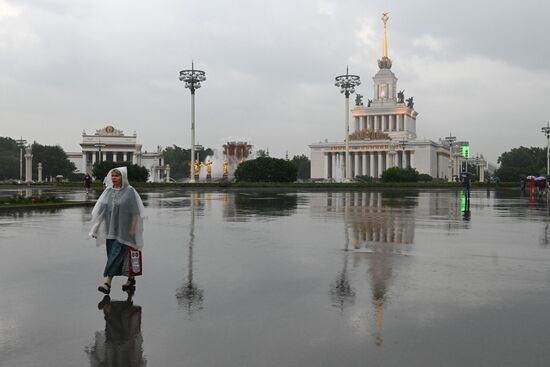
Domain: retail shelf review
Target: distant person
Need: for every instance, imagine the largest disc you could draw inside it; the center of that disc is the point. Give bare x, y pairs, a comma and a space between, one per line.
522, 184
117, 220
541, 186
466, 182
87, 182
531, 185
497, 182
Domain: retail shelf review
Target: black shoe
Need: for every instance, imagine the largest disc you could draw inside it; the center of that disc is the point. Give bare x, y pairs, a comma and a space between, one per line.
130, 284
104, 288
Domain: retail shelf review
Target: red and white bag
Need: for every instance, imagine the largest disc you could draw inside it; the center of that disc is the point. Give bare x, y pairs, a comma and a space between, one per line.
135, 264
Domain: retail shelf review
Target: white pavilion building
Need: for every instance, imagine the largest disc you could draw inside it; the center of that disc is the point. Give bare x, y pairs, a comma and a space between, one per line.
383, 135
110, 144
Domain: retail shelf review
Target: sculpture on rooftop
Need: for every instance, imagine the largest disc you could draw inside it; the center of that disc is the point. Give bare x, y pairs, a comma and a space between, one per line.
401, 96
358, 100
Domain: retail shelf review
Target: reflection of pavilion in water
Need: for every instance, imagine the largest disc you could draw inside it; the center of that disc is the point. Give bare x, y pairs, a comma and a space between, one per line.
375, 217
240, 206
379, 228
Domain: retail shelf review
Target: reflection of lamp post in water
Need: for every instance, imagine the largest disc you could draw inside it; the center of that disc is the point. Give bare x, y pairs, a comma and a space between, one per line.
192, 79
189, 295
21, 144
341, 292
347, 84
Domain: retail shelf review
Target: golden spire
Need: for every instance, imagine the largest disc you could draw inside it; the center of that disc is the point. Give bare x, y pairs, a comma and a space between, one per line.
385, 18
385, 62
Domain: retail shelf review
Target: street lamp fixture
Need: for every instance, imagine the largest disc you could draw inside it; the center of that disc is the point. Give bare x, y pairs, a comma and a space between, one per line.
347, 84
21, 144
192, 79
99, 145
546, 131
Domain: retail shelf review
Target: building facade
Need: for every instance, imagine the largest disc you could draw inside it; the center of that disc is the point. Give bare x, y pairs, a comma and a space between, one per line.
382, 135
110, 144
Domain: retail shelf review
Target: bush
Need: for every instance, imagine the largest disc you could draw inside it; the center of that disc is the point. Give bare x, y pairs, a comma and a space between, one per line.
396, 174
424, 177
135, 173
266, 169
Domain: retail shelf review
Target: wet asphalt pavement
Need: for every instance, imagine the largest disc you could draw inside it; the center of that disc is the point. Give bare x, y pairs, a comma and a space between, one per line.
266, 278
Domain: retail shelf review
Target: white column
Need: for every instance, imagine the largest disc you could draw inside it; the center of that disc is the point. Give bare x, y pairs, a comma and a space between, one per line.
39, 172
356, 157
28, 164
376, 119
363, 122
84, 162
325, 165
115, 157
93, 158
333, 170
482, 172
372, 173
401, 122
364, 158
412, 159
103, 156
125, 156
380, 163
392, 123
357, 127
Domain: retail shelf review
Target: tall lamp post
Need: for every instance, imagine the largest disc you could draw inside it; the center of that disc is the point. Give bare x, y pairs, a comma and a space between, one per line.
451, 139
21, 144
546, 131
347, 84
192, 79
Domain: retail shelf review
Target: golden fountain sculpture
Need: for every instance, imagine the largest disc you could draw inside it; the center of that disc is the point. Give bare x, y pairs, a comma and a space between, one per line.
225, 168
208, 165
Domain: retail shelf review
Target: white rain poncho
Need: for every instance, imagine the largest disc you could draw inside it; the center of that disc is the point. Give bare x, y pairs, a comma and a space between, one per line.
118, 213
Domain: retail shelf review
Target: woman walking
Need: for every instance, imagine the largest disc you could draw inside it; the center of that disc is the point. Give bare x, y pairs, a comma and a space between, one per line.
117, 220
87, 182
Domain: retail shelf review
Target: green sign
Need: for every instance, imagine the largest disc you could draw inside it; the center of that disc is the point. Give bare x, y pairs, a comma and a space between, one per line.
465, 151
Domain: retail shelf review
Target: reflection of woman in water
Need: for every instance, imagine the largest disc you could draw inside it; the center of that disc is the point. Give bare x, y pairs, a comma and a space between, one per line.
117, 220
121, 343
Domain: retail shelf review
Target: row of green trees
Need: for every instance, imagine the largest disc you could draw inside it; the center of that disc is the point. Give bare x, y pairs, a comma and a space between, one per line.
53, 158
521, 161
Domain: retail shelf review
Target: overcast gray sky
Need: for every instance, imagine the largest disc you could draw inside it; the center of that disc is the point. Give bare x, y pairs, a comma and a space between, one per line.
479, 69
